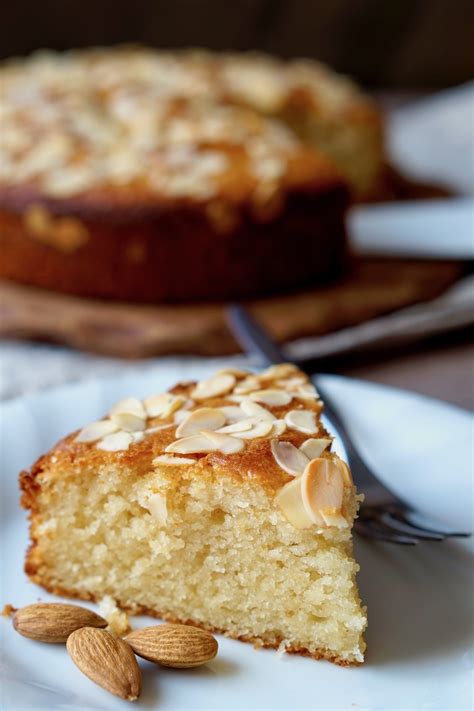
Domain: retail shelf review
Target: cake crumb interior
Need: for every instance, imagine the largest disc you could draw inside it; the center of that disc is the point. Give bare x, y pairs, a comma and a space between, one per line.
220, 555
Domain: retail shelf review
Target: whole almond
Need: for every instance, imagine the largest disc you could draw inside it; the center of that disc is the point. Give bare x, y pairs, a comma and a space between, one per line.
53, 621
106, 660
179, 646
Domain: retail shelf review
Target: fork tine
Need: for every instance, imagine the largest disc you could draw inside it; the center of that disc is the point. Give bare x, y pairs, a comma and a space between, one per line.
369, 528
395, 521
404, 517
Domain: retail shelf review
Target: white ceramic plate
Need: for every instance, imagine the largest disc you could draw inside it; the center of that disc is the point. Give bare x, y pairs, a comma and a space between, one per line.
419, 599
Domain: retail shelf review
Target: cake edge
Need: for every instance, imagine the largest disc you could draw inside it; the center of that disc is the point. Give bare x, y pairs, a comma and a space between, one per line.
257, 642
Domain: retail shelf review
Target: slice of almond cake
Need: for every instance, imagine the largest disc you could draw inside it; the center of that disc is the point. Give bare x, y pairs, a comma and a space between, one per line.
218, 503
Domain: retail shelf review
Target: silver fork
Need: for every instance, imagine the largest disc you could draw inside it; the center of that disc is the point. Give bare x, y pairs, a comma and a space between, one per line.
382, 516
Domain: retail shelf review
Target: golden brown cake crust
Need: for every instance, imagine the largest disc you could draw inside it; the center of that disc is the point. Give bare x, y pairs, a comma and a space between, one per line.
255, 462
155, 255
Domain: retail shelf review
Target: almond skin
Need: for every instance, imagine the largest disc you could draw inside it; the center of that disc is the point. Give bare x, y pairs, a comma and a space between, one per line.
53, 622
106, 660
179, 646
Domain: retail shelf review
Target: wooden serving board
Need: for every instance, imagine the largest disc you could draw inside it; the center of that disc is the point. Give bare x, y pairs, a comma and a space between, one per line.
373, 288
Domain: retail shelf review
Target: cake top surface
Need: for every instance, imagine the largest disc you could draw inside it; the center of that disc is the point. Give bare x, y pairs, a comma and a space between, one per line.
129, 123
263, 428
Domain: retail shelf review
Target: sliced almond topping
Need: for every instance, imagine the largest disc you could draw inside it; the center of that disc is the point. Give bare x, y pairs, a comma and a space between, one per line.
260, 428
158, 428
240, 426
173, 461
180, 416
128, 406
163, 405
189, 445
274, 398
158, 508
213, 387
96, 430
238, 372
313, 448
116, 442
205, 418
225, 443
302, 421
128, 422
253, 409
206, 441
137, 436
289, 458
322, 488
292, 383
346, 472
282, 370
334, 517
236, 398
306, 392
278, 427
233, 413
248, 385
291, 504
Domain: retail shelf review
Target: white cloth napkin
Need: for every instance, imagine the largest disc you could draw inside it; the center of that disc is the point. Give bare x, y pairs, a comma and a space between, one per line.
433, 139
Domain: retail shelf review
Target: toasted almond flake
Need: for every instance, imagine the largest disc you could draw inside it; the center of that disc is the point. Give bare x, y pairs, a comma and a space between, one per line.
158, 428
289, 457
204, 418
163, 405
158, 508
278, 427
313, 448
253, 409
128, 406
333, 517
302, 421
261, 428
96, 430
206, 441
225, 443
282, 370
233, 413
274, 398
194, 444
238, 372
322, 488
291, 383
236, 398
248, 385
346, 473
137, 436
240, 426
306, 392
173, 461
291, 504
213, 387
128, 422
308, 388
115, 442
180, 416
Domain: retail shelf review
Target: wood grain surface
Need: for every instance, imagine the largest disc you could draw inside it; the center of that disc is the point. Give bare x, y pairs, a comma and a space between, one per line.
373, 288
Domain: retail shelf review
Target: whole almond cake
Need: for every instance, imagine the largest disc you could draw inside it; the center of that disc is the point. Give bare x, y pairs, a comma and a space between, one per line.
128, 173
219, 503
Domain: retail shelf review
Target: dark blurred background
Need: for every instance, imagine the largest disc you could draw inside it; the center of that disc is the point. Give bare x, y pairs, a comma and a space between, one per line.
382, 43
